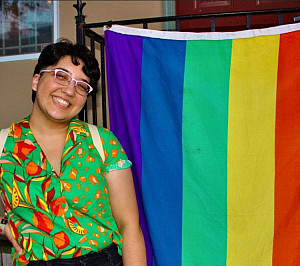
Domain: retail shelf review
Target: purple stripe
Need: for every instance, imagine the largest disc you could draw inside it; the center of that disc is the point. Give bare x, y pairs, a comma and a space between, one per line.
123, 63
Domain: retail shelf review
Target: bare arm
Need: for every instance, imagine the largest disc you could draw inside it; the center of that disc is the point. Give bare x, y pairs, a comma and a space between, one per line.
125, 211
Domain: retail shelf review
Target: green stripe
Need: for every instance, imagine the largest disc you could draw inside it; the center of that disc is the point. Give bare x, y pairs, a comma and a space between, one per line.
205, 118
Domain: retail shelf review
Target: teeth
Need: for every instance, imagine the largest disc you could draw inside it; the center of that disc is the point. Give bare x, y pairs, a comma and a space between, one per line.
61, 101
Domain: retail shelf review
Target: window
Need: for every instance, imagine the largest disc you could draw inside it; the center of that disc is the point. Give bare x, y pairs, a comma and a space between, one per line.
26, 27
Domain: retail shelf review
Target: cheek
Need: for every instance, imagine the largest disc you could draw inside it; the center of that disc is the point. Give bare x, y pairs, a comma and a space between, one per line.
44, 88
40, 91
81, 103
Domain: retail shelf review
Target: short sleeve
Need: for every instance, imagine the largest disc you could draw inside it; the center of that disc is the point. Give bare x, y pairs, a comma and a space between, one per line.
115, 156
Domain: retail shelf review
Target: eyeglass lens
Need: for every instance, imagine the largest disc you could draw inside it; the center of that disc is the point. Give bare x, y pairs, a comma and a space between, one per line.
65, 79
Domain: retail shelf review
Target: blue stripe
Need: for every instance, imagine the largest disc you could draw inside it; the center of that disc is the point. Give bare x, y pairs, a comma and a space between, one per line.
161, 144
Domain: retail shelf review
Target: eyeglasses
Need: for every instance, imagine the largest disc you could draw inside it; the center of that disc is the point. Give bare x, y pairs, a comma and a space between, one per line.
64, 78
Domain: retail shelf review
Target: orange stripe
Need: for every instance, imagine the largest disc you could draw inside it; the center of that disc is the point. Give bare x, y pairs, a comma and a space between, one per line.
286, 248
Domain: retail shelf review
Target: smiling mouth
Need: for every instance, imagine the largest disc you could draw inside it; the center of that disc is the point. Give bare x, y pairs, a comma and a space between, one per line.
61, 101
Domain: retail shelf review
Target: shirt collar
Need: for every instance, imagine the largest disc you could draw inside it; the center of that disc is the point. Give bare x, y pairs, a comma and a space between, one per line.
79, 127
76, 125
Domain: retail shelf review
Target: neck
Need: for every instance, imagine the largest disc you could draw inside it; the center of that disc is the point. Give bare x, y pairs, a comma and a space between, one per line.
46, 127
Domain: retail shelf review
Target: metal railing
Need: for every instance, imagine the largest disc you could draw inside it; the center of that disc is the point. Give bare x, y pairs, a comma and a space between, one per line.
84, 31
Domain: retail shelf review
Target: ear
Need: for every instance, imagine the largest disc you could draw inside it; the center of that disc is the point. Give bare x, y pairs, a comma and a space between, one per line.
35, 80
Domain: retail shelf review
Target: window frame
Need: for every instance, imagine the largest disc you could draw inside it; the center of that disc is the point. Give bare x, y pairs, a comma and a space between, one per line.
30, 56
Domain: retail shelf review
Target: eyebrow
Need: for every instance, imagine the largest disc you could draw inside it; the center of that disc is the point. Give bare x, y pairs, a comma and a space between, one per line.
71, 75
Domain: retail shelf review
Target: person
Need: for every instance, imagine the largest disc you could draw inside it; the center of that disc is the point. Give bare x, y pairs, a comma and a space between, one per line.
65, 205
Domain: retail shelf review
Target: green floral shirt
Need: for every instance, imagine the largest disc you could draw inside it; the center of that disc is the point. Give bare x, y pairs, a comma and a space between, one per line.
59, 216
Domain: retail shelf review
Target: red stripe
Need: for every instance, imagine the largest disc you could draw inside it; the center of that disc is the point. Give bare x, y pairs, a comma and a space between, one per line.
286, 249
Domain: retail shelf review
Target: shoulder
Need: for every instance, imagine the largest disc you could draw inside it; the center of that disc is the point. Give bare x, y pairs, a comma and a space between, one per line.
102, 131
83, 127
16, 129
106, 135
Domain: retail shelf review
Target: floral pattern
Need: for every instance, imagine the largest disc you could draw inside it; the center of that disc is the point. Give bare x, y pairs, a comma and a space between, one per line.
65, 215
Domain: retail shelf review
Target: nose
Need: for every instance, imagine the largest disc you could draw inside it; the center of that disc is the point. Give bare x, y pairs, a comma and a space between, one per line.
70, 89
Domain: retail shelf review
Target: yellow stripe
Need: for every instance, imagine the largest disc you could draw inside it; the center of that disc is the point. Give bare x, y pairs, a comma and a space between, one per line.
251, 162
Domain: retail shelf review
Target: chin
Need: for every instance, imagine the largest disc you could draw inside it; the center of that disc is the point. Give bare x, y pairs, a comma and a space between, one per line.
58, 117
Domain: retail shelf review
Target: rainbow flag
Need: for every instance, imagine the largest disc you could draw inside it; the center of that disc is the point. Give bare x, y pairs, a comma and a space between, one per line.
211, 122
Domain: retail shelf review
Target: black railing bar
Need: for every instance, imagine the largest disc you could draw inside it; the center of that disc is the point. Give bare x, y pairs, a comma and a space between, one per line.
79, 7
103, 85
80, 20
280, 22
145, 25
94, 108
212, 24
177, 24
92, 44
94, 93
248, 21
92, 34
186, 17
83, 113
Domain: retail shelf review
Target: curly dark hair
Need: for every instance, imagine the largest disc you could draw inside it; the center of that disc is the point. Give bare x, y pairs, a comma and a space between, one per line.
55, 51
